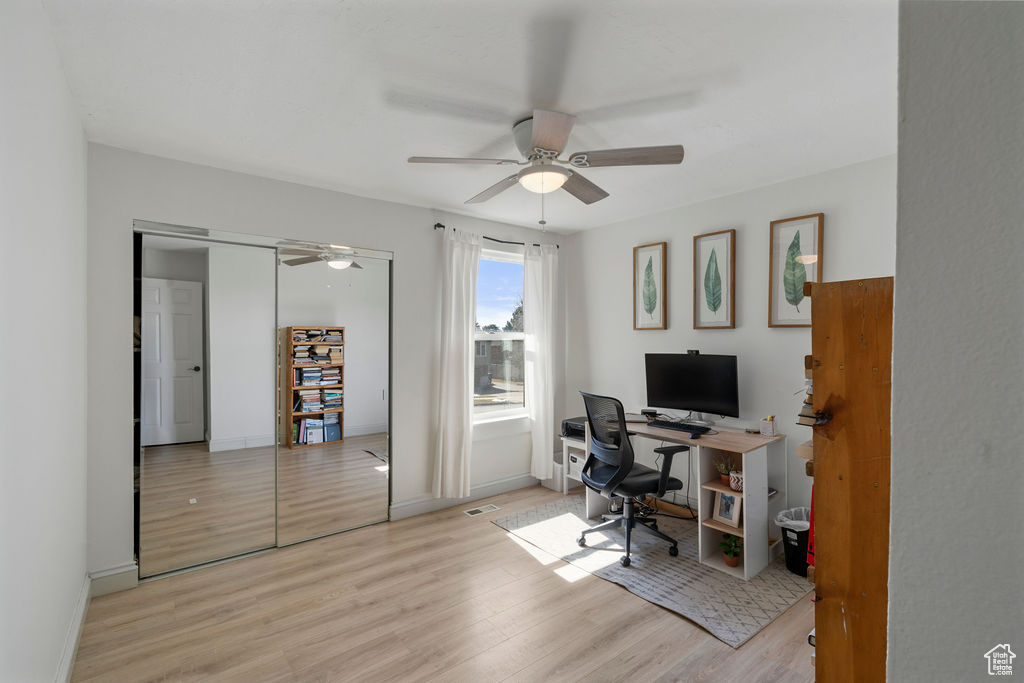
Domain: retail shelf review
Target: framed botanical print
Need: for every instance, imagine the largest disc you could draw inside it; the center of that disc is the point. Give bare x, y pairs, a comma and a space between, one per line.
714, 280
649, 287
794, 257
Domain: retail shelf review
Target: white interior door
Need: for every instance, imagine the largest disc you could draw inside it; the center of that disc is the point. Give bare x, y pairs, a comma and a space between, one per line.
172, 361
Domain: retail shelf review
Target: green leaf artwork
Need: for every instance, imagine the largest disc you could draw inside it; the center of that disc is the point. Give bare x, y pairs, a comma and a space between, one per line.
650, 290
795, 273
713, 284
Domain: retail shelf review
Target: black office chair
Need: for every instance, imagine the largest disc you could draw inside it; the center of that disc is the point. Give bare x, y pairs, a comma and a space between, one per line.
610, 470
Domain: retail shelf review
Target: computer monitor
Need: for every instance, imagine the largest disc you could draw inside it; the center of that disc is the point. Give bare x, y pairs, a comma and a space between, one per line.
700, 383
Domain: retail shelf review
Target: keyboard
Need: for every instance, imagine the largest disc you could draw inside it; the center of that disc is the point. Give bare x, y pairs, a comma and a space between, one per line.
679, 426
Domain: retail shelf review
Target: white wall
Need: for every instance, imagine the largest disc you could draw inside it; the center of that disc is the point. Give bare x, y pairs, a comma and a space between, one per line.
243, 347
957, 546
175, 264
315, 294
43, 584
606, 355
125, 185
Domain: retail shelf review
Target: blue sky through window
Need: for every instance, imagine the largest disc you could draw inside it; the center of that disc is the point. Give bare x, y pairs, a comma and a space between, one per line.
499, 287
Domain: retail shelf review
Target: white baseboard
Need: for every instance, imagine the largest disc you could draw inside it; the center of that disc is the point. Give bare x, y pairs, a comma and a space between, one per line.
67, 654
425, 503
255, 441
114, 579
362, 430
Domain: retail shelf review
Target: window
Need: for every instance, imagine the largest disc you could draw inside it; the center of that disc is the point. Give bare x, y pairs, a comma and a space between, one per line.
498, 372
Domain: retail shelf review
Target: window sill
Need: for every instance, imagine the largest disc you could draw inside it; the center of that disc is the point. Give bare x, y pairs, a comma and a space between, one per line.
497, 426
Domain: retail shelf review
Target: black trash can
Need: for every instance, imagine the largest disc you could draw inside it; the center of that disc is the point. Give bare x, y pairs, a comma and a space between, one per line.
795, 524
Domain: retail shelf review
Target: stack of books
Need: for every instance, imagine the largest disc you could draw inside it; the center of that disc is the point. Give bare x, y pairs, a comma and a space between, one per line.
301, 354
806, 416
309, 401
332, 336
337, 355
311, 377
330, 376
332, 399
332, 427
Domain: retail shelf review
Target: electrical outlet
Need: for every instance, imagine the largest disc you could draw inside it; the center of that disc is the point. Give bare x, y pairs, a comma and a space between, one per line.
192, 501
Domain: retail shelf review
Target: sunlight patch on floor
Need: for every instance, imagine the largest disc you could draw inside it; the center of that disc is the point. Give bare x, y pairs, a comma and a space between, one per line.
535, 552
571, 573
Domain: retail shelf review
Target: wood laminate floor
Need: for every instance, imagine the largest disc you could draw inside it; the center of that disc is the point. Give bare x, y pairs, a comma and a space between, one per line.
320, 490
437, 597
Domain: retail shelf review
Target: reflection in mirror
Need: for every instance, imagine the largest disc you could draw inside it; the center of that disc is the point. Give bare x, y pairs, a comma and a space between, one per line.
333, 459
208, 395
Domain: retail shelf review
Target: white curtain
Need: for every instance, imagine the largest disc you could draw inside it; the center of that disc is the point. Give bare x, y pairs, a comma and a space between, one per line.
455, 386
540, 273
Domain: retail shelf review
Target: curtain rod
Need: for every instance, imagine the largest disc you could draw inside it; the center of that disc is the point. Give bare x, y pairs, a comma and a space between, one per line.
440, 226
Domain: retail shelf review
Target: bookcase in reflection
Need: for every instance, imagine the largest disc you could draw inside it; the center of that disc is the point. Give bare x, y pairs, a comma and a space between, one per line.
312, 410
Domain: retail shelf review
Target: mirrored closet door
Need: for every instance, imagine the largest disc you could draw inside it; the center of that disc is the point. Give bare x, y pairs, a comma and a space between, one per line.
207, 390
334, 339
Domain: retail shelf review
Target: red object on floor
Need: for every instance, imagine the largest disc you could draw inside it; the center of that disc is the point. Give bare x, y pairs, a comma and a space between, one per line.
810, 535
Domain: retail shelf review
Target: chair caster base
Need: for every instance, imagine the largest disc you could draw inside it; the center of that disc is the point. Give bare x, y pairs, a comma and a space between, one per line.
581, 542
624, 561
673, 550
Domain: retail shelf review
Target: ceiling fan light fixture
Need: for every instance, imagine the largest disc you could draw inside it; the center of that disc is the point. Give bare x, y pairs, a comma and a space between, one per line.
543, 178
339, 263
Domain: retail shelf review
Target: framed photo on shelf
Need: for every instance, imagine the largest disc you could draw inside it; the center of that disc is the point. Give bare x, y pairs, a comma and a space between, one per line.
649, 287
714, 280
727, 508
794, 258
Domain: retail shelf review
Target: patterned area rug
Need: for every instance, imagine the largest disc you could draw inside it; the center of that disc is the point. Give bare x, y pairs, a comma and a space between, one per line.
731, 609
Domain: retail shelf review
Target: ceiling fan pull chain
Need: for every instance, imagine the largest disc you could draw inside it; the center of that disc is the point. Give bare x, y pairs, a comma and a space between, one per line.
543, 223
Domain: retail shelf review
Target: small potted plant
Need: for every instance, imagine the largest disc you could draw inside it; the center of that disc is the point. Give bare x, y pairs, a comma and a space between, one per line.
731, 547
724, 465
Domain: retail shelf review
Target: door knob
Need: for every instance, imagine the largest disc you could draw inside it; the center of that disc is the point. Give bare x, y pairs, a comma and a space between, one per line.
195, 369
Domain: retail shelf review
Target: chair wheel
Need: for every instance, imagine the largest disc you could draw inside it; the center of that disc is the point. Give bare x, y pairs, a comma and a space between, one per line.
673, 550
581, 541
624, 561
653, 525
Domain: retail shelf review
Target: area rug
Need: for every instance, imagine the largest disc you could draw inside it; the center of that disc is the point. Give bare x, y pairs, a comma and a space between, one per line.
731, 609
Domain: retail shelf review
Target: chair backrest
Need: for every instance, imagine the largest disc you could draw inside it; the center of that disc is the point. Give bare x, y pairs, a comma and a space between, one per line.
609, 442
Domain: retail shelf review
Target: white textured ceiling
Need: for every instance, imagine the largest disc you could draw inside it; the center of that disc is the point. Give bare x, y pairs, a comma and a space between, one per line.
339, 93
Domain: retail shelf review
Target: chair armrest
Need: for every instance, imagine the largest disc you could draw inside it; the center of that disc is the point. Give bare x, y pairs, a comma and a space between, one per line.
666, 464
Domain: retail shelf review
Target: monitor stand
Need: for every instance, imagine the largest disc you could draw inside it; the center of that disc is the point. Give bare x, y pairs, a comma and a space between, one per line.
698, 419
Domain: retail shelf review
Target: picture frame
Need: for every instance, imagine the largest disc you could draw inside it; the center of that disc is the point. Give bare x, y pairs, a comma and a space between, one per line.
649, 289
794, 257
728, 509
714, 280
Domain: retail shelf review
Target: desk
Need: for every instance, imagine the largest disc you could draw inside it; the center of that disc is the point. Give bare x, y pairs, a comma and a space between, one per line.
764, 466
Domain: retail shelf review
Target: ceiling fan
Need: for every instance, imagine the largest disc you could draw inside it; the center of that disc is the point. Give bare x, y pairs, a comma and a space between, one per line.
338, 259
540, 139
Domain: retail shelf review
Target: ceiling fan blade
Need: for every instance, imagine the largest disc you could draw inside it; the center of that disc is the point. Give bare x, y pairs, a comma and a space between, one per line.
297, 252
628, 156
461, 160
551, 130
495, 189
583, 190
301, 261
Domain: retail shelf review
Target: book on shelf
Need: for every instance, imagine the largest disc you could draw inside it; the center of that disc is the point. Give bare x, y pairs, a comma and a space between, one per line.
332, 432
806, 411
804, 420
